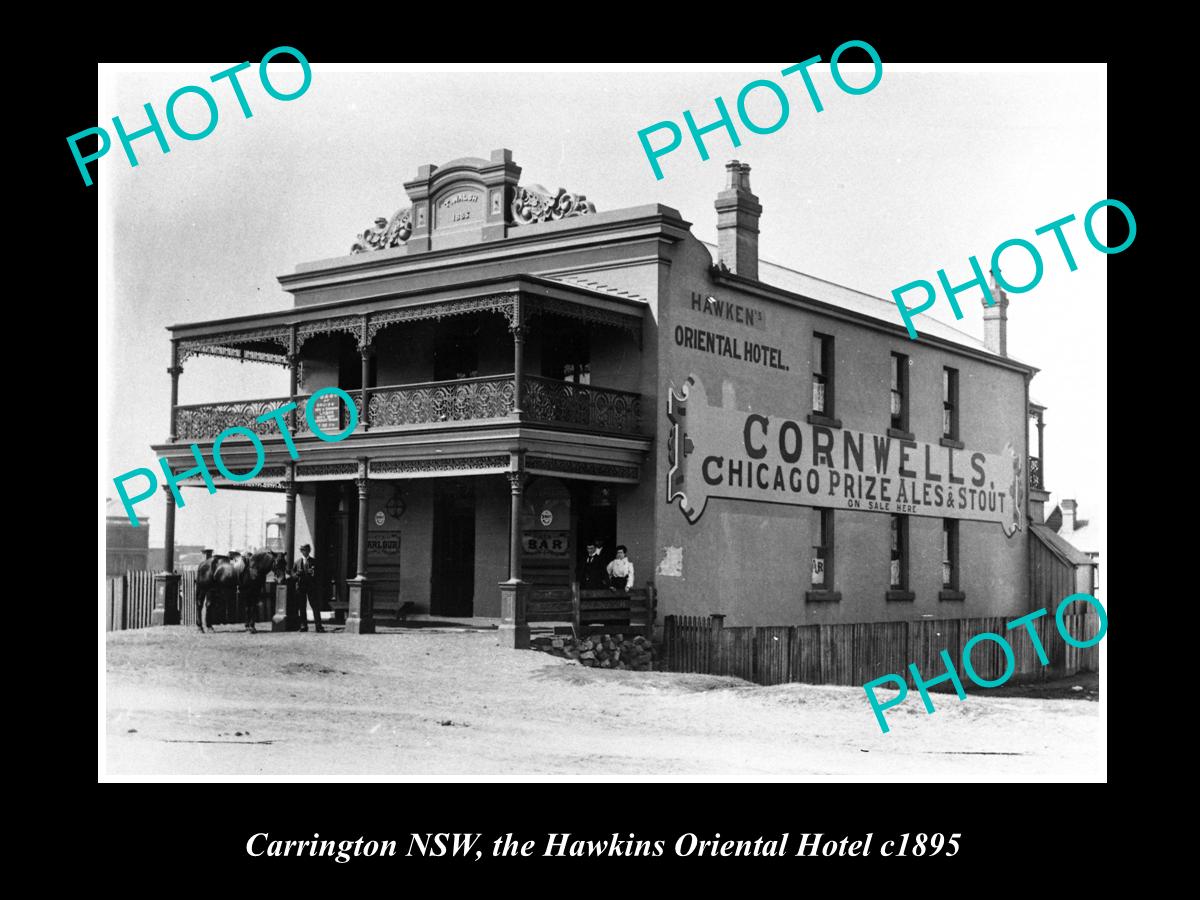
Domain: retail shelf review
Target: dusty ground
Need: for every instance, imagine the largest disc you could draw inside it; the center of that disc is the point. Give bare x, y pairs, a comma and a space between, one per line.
424, 703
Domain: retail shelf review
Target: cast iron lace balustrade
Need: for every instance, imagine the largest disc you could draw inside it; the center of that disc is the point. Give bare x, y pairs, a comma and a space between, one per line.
1035, 472
204, 421
442, 401
207, 420
567, 403
544, 400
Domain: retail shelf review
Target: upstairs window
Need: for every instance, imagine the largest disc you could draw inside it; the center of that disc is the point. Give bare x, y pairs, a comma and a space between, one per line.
822, 391
899, 406
950, 404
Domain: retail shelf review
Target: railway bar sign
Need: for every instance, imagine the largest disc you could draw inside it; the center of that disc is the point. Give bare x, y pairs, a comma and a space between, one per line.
739, 455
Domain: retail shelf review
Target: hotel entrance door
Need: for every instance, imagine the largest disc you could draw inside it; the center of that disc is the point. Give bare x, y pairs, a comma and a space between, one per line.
452, 588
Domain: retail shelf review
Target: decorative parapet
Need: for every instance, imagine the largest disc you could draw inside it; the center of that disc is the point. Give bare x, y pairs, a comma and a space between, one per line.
386, 233
536, 204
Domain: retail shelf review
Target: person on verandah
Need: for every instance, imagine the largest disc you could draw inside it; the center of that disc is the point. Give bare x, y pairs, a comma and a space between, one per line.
594, 576
620, 570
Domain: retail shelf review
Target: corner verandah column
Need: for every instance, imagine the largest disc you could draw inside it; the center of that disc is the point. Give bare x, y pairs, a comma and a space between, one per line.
166, 583
286, 616
360, 617
514, 630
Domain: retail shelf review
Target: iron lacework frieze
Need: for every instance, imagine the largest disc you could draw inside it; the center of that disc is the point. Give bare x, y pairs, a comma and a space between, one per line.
580, 467
507, 304
516, 308
498, 463
327, 470
233, 345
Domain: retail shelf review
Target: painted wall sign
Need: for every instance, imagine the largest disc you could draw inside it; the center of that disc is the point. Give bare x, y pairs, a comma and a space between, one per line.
546, 543
743, 455
730, 311
702, 340
383, 543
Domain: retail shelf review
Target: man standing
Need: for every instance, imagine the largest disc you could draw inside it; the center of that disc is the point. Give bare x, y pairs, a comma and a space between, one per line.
593, 569
307, 590
620, 571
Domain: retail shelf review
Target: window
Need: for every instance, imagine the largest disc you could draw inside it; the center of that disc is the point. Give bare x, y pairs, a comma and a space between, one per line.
950, 404
822, 398
822, 566
898, 582
567, 355
821, 579
950, 554
899, 392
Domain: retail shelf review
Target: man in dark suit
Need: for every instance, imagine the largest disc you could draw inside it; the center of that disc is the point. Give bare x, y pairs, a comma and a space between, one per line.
307, 589
595, 577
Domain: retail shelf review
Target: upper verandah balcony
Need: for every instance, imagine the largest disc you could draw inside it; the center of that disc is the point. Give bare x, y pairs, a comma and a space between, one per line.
516, 350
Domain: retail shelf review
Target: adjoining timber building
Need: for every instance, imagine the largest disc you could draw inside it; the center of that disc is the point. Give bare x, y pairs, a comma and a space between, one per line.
531, 374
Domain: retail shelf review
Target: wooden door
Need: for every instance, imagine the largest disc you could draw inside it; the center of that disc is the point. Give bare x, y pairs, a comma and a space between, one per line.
452, 588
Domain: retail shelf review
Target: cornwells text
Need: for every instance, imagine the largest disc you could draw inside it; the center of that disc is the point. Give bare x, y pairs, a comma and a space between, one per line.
156, 129
1010, 661
686, 845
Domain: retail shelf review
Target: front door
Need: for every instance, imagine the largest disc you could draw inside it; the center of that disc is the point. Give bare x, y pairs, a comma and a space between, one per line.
452, 591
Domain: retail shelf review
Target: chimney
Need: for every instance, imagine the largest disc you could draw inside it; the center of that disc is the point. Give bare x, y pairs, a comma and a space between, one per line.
995, 321
737, 223
1068, 514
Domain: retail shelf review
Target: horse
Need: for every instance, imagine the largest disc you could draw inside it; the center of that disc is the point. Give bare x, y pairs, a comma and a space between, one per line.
228, 576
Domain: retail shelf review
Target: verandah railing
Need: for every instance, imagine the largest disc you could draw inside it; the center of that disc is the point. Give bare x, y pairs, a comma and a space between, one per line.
543, 400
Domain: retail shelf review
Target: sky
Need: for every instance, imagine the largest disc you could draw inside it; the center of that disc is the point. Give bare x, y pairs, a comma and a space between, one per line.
875, 191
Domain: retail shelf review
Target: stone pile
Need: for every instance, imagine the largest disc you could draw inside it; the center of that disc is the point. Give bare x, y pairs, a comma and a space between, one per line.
602, 651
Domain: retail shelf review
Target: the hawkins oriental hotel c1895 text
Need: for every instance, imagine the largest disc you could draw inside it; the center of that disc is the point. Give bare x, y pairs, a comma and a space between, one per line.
533, 374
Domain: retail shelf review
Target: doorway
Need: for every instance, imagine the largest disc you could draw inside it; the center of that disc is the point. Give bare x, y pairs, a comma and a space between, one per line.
452, 587
597, 504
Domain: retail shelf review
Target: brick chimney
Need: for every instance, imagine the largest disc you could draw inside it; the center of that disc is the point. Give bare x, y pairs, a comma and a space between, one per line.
995, 321
1068, 515
737, 222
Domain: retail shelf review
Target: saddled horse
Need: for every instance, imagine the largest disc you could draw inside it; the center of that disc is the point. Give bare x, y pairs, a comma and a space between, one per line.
227, 577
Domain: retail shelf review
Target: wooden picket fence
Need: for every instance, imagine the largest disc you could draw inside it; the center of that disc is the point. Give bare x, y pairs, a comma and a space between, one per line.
129, 599
858, 653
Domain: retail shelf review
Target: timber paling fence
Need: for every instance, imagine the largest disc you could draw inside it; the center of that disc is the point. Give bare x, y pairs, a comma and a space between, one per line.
129, 601
859, 653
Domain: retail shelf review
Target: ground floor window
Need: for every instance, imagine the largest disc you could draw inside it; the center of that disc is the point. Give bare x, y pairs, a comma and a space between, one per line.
899, 563
822, 565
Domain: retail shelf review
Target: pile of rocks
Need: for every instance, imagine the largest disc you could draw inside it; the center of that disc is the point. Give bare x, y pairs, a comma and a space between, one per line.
615, 651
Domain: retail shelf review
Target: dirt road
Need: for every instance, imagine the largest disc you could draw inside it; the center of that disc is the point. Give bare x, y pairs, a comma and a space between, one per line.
454, 706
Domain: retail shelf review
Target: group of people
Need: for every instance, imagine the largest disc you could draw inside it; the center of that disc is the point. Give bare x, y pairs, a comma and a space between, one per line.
616, 574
